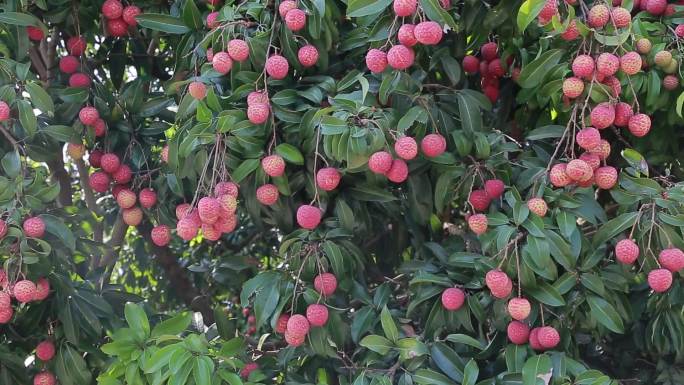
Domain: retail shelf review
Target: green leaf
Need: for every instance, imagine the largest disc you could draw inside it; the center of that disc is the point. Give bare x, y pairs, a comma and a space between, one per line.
173, 326
360, 8
466, 339
244, 169
388, 325
161, 358
191, 15
605, 314
470, 373
27, 117
136, 318
529, 10
434, 11
430, 377
469, 111
11, 163
546, 132
290, 153
614, 227
56, 227
21, 19
680, 103
533, 73
163, 23
376, 343
202, 370
546, 294
40, 98
535, 368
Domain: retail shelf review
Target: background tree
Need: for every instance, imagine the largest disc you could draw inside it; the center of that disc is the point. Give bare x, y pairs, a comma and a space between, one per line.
333, 192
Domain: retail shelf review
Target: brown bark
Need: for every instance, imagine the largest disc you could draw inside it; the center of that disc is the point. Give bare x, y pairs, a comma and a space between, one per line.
62, 177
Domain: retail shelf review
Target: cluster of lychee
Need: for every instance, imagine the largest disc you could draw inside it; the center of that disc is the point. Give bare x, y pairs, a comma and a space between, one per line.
215, 215
251, 321
479, 200
70, 64
296, 327
405, 148
45, 351
490, 67
401, 56
519, 332
119, 18
670, 261
23, 291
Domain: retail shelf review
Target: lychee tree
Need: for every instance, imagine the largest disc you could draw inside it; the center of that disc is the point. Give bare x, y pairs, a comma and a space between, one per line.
360, 191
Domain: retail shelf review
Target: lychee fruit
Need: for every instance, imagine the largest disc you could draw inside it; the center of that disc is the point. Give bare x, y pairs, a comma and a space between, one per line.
210, 232
258, 113
308, 217
285, 7
161, 235
132, 216
626, 251
238, 50
630, 63
406, 36
400, 57
494, 188
583, 66
208, 209
211, 20
226, 224
623, 112
325, 284
100, 128
607, 64
123, 174
24, 291
602, 150
547, 12
273, 165
663, 58
660, 280
281, 324
602, 115
79, 80
644, 46
34, 227
295, 19
45, 350
147, 197
112, 9
317, 314
518, 332
76, 45
671, 82
298, 325
406, 147
3, 230
222, 63
479, 199
257, 97
548, 337
477, 223
621, 17
573, 87
294, 340
99, 181
187, 228
639, 125
489, 51
376, 60
598, 16
537, 206
656, 7
428, 33
6, 314
42, 289
571, 32
453, 298
88, 115
558, 176
126, 199
579, 170
519, 308
398, 172
672, 259
198, 90
129, 13
404, 8
433, 145
380, 162
308, 56
277, 67
498, 283
44, 378
117, 27
328, 178
68, 64
606, 177
248, 369
588, 138
471, 64
34, 34
267, 194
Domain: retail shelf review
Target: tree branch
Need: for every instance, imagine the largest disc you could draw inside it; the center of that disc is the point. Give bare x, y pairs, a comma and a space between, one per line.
62, 177
38, 63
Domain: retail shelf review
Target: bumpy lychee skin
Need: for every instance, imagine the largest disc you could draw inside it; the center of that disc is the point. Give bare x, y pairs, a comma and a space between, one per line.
644, 46
161, 235
607, 64
44, 378
626, 251
45, 350
5, 300
258, 113
573, 87
248, 369
583, 66
471, 64
99, 181
79, 80
518, 332
328, 178
100, 128
630, 63
672, 259
226, 224
24, 291
222, 63
428, 33
211, 20
453, 298
588, 138
548, 337
208, 209
376, 61
494, 188
548, 11
126, 199
579, 170
614, 84
42, 289
210, 232
147, 197
671, 82
621, 17
132, 216
257, 97
277, 67
294, 340
3, 231
407, 37
317, 314
598, 16
404, 8
308, 56
479, 199
537, 206
603, 115
406, 148
477, 223
112, 9
285, 7
298, 325
129, 14
602, 150
592, 160
572, 32
519, 308
273, 165
623, 112
88, 115
639, 125
117, 27
433, 145
35, 34
663, 58
308, 217
295, 20
122, 175
68, 64
380, 162
34, 227
679, 31
606, 177
660, 280
197, 90
281, 324
238, 50
489, 51
6, 314
76, 45
325, 284
398, 172
656, 7
267, 194
495, 68
400, 57
498, 283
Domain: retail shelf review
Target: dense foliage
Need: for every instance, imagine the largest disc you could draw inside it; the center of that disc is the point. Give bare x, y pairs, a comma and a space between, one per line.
337, 192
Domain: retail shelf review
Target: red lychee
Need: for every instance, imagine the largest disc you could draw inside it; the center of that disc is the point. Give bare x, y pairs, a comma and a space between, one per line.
317, 314
248, 369
76, 45
428, 33
112, 9
583, 66
406, 36
588, 138
6, 314
453, 298
626, 251
45, 350
494, 188
295, 20
267, 194
548, 337
147, 197
34, 227
79, 80
88, 115
99, 181
602, 115
598, 16
126, 198
257, 97
258, 113
42, 289
161, 235
573, 87
623, 112
406, 147
222, 63
519, 308
558, 176
198, 90
376, 60
607, 64
471, 64
281, 325
639, 125
129, 14
489, 51
477, 223
132, 216
606, 177
404, 8
308, 56
273, 165
24, 291
621, 17
538, 206
238, 50
328, 178
498, 283
672, 259
298, 325
277, 67
380, 162
117, 27
518, 332
433, 145
123, 174
208, 209
211, 20
579, 170
68, 64
398, 172
187, 228
630, 63
44, 378
308, 217
479, 200
400, 57
325, 284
